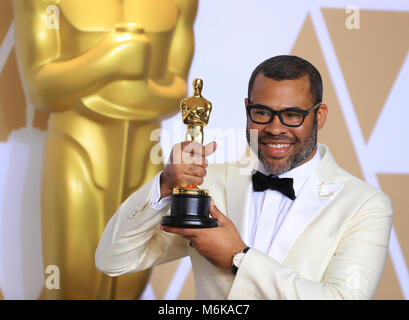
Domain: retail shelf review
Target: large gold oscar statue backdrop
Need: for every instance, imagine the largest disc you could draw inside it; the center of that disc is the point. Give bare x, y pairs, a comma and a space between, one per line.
107, 72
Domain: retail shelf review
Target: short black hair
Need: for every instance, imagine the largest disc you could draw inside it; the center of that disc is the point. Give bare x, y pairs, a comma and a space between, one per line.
288, 67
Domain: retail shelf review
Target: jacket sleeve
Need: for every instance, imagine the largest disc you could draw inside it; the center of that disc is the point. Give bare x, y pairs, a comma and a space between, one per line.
132, 240
354, 271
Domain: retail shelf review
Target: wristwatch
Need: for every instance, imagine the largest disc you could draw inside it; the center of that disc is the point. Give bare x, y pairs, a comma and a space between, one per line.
237, 258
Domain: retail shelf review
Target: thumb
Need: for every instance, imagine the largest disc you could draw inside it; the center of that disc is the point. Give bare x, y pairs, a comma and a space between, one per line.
210, 148
215, 213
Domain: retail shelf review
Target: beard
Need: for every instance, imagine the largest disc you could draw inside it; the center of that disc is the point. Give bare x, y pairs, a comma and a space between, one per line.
306, 148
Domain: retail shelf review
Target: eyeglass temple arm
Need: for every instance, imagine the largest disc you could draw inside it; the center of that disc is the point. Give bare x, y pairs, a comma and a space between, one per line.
315, 107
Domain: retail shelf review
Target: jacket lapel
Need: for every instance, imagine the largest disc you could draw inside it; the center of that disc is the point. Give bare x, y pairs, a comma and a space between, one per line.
315, 195
238, 193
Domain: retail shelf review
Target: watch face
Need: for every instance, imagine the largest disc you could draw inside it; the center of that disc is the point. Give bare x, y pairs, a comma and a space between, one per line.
238, 258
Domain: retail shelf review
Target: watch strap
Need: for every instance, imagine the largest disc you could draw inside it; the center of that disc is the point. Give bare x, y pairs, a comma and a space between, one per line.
234, 269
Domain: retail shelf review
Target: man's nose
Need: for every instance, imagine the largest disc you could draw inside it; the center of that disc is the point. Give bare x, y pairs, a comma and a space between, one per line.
275, 127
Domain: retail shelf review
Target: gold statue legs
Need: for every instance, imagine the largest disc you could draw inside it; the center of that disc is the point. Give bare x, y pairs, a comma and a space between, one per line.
71, 211
76, 206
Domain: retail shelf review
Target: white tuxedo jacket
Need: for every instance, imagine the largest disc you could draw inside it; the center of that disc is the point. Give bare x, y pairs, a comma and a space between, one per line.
332, 244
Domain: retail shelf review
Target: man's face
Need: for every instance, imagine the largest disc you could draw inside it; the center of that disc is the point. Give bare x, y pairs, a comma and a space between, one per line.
282, 148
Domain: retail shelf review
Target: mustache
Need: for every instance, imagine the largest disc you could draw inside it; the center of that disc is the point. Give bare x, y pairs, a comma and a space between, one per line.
279, 138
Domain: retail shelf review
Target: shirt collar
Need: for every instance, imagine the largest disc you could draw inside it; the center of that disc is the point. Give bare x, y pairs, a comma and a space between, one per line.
299, 174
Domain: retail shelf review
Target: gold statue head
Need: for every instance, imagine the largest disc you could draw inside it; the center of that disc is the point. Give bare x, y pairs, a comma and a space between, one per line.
198, 86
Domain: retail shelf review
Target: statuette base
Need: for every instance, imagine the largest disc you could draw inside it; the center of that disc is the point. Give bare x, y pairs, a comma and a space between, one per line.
190, 210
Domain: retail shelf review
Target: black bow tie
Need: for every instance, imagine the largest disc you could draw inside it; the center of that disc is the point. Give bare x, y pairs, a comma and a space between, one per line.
284, 185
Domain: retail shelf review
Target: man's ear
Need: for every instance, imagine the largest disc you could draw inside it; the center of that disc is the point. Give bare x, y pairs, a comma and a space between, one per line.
246, 101
322, 116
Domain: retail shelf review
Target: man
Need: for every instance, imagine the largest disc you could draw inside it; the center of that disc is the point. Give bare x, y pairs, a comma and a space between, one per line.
323, 235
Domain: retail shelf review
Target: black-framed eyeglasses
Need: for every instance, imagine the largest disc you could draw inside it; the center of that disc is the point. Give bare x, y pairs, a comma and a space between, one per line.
290, 117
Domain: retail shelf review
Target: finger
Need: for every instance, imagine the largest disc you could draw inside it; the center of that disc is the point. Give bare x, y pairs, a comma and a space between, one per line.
215, 213
187, 152
194, 153
210, 148
197, 149
191, 147
188, 158
200, 161
196, 171
176, 154
186, 232
189, 180
183, 177
197, 181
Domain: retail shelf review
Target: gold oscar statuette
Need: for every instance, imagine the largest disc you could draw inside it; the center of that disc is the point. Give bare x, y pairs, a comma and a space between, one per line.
189, 204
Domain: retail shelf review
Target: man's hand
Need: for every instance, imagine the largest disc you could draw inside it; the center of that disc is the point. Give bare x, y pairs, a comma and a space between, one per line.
187, 166
218, 245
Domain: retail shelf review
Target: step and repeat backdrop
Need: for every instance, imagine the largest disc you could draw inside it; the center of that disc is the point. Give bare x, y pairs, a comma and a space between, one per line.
360, 48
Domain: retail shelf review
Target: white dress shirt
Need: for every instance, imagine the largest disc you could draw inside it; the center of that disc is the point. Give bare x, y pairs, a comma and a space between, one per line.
268, 209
